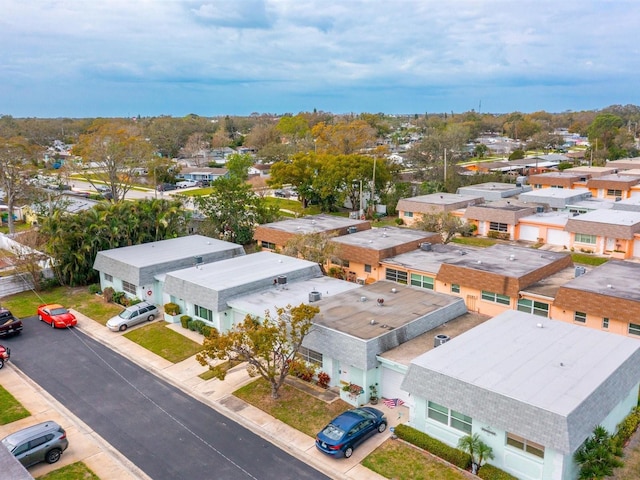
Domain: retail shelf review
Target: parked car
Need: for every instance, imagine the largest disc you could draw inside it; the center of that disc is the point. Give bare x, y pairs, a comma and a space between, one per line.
43, 442
350, 429
133, 315
56, 315
5, 354
165, 187
9, 325
187, 184
280, 194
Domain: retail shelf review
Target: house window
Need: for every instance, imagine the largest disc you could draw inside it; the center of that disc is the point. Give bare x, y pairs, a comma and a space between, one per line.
310, 356
108, 278
421, 281
367, 268
448, 417
396, 276
584, 238
340, 262
557, 186
634, 329
496, 298
408, 214
204, 313
531, 306
580, 317
614, 193
605, 323
498, 227
537, 185
455, 288
269, 245
525, 445
128, 287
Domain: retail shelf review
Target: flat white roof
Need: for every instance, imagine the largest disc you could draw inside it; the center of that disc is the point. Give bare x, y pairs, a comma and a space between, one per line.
164, 251
555, 367
547, 218
611, 217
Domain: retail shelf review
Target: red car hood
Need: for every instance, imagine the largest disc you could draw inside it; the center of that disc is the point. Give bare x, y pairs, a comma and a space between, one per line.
66, 318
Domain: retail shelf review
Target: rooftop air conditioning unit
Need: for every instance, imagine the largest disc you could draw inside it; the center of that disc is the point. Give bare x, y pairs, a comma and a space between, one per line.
579, 271
539, 209
352, 229
282, 280
426, 247
440, 339
315, 296
197, 260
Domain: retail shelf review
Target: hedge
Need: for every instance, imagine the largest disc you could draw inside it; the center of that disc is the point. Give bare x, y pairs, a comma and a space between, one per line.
452, 455
184, 321
627, 427
489, 472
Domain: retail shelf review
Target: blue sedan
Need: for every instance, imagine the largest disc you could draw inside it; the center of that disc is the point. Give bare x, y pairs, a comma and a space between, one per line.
349, 429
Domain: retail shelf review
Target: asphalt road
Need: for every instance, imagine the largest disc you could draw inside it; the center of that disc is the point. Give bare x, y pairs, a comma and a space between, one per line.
165, 432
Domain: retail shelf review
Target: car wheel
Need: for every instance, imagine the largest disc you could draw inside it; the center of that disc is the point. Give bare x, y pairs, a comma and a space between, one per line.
53, 324
1, 363
40, 317
123, 327
348, 452
151, 317
53, 456
382, 427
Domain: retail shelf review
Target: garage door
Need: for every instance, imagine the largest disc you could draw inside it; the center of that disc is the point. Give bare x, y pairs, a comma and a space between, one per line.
391, 381
558, 237
529, 233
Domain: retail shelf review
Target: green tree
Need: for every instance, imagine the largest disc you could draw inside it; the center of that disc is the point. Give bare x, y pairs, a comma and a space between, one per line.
344, 137
268, 346
299, 172
480, 150
113, 150
233, 210
444, 223
16, 155
74, 240
603, 130
598, 456
316, 247
238, 165
477, 449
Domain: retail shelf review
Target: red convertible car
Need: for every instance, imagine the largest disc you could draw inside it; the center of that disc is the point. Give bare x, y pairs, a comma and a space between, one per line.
56, 315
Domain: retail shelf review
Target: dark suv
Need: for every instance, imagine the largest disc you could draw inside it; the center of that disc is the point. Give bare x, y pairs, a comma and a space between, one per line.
9, 325
43, 442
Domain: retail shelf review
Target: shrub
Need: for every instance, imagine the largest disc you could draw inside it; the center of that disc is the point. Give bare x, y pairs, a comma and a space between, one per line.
171, 308
94, 288
184, 321
302, 370
627, 427
206, 330
198, 324
323, 380
489, 472
49, 283
438, 448
399, 221
108, 294
191, 325
119, 297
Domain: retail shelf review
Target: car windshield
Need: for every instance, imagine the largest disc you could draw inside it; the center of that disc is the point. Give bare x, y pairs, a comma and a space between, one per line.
58, 311
364, 413
332, 432
126, 314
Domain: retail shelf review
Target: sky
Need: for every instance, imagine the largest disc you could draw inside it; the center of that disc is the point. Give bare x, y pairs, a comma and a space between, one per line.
124, 58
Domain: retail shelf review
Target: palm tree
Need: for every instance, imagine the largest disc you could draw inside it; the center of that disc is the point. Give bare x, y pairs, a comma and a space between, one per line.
477, 449
597, 456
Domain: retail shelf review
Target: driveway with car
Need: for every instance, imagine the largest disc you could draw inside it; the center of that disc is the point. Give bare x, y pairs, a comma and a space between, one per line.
165, 432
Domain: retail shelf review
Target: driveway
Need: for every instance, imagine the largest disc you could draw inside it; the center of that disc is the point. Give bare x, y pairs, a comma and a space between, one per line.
159, 428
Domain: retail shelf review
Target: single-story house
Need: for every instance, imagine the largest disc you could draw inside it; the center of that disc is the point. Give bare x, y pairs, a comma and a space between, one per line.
138, 270
412, 209
492, 191
533, 389
613, 232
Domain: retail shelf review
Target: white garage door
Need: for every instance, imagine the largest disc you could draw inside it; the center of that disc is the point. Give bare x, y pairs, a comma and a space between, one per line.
529, 233
391, 381
558, 237
636, 248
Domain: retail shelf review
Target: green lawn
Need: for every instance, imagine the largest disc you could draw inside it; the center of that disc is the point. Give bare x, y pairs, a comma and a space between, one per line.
586, 259
164, 342
12, 409
474, 241
294, 407
395, 459
75, 471
19, 227
25, 304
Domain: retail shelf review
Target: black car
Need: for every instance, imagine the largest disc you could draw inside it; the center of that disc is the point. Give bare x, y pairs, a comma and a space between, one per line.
165, 187
9, 325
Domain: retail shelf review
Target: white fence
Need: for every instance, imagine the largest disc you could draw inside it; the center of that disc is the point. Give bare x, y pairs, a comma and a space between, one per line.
19, 282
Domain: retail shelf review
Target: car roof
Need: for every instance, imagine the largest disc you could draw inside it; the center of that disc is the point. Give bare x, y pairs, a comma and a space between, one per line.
52, 305
348, 419
27, 432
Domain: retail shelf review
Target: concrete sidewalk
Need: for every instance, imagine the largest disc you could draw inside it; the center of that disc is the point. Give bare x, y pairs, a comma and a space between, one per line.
108, 464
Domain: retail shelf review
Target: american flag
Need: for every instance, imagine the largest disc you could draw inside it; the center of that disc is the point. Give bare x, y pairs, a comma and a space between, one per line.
393, 402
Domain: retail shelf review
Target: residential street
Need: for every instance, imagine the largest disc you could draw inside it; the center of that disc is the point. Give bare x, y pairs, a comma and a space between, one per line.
165, 432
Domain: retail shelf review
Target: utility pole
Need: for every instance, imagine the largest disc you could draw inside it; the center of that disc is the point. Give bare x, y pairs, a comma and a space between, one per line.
445, 166
373, 187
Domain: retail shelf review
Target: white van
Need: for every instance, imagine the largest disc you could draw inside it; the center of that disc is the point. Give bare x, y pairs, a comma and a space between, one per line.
187, 184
